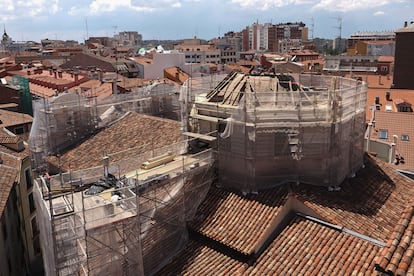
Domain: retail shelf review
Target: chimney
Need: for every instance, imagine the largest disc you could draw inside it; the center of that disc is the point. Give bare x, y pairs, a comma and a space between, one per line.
60, 74
377, 100
50, 72
76, 76
388, 96
405, 24
55, 73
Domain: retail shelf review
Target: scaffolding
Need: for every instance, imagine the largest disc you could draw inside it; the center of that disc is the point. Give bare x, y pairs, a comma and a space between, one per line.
25, 97
132, 227
68, 118
275, 129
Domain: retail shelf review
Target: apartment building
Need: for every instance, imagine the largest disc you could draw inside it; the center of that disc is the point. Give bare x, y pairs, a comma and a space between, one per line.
274, 37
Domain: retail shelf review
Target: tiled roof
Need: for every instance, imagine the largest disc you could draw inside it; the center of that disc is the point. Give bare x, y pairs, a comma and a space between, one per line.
9, 165
11, 118
369, 203
7, 179
386, 59
238, 222
395, 94
398, 255
131, 132
176, 74
360, 218
304, 247
9, 139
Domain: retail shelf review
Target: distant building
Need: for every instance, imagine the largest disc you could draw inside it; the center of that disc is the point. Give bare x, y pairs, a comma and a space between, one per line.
274, 37
323, 45
230, 46
133, 39
342, 64
369, 36
199, 53
153, 68
373, 48
5, 41
404, 58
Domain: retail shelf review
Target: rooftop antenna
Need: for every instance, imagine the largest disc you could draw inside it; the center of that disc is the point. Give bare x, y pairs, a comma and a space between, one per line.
339, 27
312, 29
86, 27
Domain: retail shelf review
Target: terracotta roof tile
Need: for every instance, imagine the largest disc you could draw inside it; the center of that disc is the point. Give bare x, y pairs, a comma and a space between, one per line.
11, 118
131, 132
236, 221
7, 179
398, 255
303, 247
9, 139
369, 204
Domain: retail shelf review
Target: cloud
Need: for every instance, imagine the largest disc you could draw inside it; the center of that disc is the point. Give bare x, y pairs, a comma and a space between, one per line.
102, 6
379, 13
269, 4
328, 5
11, 10
348, 6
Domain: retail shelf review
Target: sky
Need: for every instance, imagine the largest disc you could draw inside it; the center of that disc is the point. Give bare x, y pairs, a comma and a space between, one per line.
26, 20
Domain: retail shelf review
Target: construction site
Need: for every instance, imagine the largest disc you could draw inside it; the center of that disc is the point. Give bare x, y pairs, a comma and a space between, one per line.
275, 129
117, 217
128, 214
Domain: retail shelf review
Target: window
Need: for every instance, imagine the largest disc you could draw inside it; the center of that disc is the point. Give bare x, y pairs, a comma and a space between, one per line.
28, 177
405, 137
31, 203
404, 108
383, 134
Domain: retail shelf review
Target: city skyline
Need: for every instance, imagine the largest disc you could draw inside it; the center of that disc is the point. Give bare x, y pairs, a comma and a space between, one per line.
178, 19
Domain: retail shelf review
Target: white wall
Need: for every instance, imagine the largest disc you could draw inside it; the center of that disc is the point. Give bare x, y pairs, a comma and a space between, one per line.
155, 70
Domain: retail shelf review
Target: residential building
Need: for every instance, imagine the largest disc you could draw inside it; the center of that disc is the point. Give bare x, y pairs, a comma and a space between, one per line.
230, 46
355, 64
403, 69
373, 48
393, 142
369, 36
153, 68
199, 53
129, 38
20, 253
385, 65
274, 37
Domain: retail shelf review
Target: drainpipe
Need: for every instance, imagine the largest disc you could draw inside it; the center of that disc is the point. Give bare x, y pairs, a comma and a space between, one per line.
392, 149
368, 137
